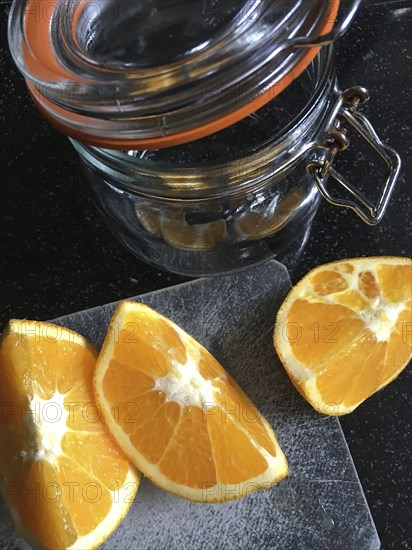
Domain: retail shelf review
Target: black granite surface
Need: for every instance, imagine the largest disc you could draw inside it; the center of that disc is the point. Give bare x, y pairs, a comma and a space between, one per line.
57, 257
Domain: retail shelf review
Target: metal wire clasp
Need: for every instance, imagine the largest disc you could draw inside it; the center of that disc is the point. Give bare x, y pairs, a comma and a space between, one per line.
339, 30
336, 140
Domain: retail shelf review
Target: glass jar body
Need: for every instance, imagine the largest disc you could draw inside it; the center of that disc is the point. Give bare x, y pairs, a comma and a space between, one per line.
217, 237
250, 200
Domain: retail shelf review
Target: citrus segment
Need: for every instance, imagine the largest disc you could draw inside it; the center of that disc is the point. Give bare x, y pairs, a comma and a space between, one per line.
149, 218
191, 450
96, 500
263, 220
66, 478
236, 456
328, 282
163, 422
245, 413
396, 282
368, 285
352, 299
195, 237
193, 431
345, 331
398, 350
319, 331
49, 522
176, 231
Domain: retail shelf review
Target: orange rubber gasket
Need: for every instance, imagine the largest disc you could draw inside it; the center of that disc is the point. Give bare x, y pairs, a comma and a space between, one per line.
37, 34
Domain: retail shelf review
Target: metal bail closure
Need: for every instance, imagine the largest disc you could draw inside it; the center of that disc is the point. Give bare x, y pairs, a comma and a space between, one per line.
332, 36
337, 141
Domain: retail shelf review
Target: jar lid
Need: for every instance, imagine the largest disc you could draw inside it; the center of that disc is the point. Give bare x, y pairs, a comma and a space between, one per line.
136, 74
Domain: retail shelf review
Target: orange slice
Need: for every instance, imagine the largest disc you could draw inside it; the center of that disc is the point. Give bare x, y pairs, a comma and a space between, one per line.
177, 232
345, 331
268, 218
66, 482
177, 414
195, 237
149, 219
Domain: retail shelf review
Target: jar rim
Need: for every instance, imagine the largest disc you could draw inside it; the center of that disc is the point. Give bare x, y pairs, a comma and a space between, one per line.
256, 164
168, 105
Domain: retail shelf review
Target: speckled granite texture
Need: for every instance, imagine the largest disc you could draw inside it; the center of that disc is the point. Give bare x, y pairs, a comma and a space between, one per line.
319, 505
58, 257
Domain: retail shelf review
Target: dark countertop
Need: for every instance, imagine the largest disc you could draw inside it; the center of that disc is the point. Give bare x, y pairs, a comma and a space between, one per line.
58, 257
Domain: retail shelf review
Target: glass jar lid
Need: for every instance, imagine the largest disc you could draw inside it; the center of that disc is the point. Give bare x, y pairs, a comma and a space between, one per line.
155, 73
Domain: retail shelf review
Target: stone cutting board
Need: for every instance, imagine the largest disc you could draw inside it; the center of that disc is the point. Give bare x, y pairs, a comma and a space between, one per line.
320, 505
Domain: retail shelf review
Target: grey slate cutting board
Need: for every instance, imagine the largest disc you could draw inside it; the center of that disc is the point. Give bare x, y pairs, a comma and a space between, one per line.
320, 505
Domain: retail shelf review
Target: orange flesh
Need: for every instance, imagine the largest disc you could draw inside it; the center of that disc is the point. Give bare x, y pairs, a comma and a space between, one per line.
395, 282
351, 299
328, 282
245, 413
400, 343
329, 336
37, 509
270, 218
192, 445
236, 458
48, 495
190, 463
203, 236
316, 342
368, 284
150, 220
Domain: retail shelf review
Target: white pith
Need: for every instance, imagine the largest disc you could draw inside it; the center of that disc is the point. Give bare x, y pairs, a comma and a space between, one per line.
46, 419
381, 318
184, 384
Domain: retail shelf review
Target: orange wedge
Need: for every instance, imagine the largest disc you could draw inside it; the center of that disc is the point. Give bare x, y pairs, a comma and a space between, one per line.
149, 219
176, 413
345, 331
269, 217
172, 226
195, 237
66, 482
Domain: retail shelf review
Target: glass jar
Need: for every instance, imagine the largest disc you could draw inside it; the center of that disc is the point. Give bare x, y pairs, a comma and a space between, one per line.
210, 153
